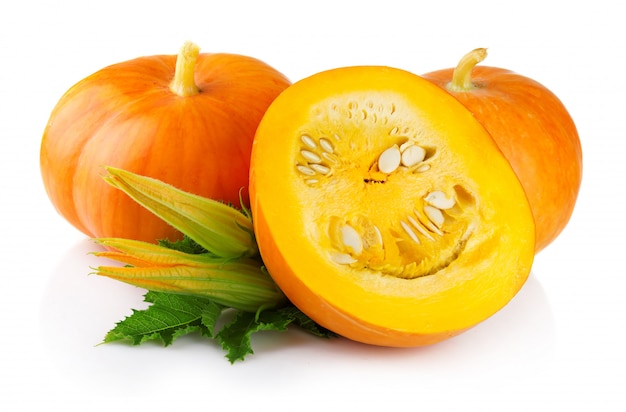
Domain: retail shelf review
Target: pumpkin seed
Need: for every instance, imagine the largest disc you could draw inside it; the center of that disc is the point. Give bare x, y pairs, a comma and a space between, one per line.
409, 231
439, 200
420, 228
311, 156
423, 219
434, 215
308, 141
342, 258
378, 236
389, 160
413, 155
305, 170
319, 168
351, 239
330, 157
326, 145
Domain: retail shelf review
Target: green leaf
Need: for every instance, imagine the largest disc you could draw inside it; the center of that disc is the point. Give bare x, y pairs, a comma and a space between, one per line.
304, 322
235, 337
169, 317
209, 317
185, 245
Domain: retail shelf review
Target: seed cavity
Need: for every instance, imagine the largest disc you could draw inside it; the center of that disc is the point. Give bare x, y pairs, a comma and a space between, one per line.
423, 234
439, 200
389, 160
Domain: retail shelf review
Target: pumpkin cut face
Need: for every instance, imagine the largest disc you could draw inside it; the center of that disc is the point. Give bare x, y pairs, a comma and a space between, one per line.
384, 210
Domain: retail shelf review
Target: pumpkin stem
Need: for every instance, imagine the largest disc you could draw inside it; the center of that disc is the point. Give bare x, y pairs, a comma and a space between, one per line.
184, 84
462, 76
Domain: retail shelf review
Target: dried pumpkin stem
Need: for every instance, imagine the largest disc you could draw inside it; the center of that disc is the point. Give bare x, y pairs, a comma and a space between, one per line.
462, 76
184, 83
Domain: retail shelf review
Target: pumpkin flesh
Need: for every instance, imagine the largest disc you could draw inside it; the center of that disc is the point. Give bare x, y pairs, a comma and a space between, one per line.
384, 253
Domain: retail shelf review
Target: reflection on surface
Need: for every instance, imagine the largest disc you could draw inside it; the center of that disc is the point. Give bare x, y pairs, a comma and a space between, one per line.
78, 309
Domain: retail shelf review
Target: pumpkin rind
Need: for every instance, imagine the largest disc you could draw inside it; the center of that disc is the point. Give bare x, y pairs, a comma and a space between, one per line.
388, 288
126, 116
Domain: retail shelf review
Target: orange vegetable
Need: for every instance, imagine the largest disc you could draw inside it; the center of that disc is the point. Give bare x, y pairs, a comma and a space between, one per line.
189, 121
384, 210
533, 129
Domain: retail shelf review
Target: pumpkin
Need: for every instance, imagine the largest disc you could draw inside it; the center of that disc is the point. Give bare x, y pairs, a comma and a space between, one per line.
188, 120
384, 210
533, 129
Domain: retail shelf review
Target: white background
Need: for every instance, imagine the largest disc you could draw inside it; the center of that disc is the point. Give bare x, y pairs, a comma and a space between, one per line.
557, 346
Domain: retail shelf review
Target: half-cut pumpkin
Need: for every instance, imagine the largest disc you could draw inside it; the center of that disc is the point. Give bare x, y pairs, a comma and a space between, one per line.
384, 210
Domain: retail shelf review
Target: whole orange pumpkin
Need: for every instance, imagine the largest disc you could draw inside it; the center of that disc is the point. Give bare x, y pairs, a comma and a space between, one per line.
532, 128
189, 121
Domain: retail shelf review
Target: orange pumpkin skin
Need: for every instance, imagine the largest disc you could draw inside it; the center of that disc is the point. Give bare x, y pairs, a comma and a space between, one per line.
535, 132
126, 116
